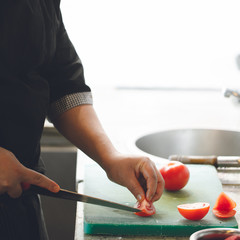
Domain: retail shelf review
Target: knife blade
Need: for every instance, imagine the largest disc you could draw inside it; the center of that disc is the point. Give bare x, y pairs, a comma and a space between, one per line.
70, 195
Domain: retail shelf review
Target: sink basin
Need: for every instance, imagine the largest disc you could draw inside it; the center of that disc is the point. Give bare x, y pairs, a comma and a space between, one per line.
191, 142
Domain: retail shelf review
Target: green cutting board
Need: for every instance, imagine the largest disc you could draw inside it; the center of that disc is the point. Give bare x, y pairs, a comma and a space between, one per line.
203, 186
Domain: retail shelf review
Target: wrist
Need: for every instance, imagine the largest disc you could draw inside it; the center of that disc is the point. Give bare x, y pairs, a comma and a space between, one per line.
109, 160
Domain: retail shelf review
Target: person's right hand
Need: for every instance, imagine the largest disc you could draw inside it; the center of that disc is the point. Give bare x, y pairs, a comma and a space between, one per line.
13, 173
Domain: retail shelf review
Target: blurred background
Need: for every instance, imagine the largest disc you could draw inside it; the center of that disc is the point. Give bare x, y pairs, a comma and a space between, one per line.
156, 43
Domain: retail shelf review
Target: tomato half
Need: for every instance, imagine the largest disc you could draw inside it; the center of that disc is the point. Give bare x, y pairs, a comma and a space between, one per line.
147, 208
175, 175
194, 211
224, 206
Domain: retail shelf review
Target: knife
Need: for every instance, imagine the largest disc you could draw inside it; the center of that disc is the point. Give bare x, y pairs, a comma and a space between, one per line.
69, 195
217, 161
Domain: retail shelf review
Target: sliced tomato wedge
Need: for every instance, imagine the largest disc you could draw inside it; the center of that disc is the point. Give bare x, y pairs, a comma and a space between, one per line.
194, 211
224, 206
224, 202
147, 208
224, 214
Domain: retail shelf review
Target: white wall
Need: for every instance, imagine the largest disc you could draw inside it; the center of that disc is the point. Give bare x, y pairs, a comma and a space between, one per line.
156, 42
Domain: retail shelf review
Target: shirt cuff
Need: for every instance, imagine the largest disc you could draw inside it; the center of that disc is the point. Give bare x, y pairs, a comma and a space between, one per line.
67, 102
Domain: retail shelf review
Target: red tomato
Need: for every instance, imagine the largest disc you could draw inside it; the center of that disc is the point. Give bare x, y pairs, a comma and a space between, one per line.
194, 211
234, 237
224, 202
175, 175
147, 208
224, 214
224, 206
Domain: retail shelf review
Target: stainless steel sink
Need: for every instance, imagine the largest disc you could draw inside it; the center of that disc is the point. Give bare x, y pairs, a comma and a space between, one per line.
191, 142
161, 145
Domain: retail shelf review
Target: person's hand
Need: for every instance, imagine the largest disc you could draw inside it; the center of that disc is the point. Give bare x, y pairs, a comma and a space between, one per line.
138, 174
80, 125
13, 173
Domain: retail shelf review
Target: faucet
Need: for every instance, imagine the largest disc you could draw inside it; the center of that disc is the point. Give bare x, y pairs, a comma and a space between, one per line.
232, 92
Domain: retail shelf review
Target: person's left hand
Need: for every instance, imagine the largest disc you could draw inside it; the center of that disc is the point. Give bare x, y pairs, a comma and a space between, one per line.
81, 126
138, 174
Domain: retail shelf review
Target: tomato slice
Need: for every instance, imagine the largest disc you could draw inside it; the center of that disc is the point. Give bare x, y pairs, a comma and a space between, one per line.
224, 213
224, 206
194, 211
147, 208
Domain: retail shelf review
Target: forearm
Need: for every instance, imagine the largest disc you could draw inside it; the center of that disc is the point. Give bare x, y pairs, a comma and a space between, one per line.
81, 126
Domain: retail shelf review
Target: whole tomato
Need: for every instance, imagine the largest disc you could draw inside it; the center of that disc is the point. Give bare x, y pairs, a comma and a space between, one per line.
175, 175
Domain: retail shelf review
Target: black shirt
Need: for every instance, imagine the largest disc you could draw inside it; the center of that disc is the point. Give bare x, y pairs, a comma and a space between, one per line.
40, 74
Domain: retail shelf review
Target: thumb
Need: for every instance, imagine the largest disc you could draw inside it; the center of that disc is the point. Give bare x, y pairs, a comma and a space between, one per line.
38, 179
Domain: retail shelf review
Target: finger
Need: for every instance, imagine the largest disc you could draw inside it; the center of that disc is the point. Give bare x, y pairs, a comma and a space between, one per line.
15, 191
38, 179
149, 172
136, 189
151, 187
160, 188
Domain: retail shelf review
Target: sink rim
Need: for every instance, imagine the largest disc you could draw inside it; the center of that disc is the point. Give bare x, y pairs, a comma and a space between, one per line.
178, 130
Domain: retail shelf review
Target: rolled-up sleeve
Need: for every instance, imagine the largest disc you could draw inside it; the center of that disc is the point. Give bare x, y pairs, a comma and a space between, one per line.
67, 102
66, 79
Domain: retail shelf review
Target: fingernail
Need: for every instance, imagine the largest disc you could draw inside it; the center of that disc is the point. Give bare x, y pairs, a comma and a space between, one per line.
139, 197
55, 188
148, 197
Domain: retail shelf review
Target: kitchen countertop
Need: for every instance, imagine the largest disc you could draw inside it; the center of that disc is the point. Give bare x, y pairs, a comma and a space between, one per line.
128, 114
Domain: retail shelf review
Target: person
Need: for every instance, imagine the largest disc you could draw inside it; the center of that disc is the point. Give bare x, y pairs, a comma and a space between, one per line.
42, 76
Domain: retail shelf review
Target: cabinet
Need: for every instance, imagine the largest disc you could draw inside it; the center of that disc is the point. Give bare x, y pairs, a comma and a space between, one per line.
60, 158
